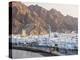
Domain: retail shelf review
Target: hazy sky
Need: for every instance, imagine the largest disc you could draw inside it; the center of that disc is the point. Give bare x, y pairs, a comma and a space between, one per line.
65, 9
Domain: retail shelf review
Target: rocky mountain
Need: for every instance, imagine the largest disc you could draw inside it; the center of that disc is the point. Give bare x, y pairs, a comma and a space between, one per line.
36, 19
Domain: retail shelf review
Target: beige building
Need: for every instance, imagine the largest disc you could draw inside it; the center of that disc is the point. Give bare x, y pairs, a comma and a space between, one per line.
23, 33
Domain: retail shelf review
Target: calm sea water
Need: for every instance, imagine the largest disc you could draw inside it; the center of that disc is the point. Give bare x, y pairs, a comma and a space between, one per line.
27, 54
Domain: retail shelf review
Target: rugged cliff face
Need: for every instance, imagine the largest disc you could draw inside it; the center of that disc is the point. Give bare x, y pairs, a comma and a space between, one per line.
35, 19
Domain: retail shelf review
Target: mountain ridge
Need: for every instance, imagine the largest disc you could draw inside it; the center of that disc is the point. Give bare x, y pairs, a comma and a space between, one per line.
23, 15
